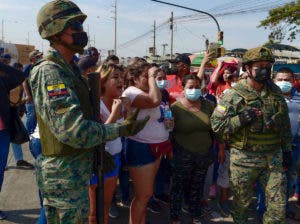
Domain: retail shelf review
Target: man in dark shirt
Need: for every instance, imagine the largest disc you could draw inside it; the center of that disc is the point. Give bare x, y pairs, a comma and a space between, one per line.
9, 79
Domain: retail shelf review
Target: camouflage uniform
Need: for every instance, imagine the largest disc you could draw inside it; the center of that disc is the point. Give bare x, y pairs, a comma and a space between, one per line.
256, 149
65, 116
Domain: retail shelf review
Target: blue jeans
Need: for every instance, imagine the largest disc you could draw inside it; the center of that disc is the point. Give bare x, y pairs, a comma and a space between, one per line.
36, 149
30, 118
261, 206
17, 151
4, 147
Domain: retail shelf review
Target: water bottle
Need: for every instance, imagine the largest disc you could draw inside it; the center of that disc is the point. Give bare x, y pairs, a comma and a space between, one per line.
168, 117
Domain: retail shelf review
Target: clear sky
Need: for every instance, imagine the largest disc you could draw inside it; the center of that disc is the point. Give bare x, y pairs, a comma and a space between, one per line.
136, 17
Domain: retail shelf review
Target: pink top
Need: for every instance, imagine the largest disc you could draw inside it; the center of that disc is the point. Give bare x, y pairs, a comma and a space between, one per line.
2, 126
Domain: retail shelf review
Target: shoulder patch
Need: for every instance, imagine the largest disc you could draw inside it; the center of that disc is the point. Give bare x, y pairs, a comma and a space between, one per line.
57, 90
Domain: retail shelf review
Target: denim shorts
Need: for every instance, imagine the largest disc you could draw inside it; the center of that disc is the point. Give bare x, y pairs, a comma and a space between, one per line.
115, 172
137, 153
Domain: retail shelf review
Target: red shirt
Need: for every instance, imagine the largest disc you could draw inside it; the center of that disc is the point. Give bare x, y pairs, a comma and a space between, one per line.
174, 88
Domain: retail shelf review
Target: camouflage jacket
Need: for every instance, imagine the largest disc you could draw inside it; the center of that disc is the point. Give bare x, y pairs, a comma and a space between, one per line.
58, 105
225, 119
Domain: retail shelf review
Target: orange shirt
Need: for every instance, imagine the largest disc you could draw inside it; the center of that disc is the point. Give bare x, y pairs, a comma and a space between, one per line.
174, 88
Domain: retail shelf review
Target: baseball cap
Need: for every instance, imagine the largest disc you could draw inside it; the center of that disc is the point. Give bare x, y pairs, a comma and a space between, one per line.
86, 62
34, 54
181, 58
6, 56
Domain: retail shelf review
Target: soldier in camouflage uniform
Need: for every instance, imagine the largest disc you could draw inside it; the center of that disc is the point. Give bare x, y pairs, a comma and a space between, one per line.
65, 116
253, 118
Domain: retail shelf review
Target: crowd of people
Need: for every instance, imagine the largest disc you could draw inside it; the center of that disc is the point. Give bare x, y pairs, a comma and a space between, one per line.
156, 128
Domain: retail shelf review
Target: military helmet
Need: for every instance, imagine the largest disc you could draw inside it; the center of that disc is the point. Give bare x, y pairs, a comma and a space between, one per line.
55, 15
258, 54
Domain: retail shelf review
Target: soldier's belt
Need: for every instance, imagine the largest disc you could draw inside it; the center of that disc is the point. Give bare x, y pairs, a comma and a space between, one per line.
255, 139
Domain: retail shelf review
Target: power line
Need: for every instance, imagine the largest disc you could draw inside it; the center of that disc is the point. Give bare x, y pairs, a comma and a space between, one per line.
259, 6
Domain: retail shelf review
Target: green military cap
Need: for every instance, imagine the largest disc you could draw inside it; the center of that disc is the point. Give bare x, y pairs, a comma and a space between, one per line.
55, 15
258, 54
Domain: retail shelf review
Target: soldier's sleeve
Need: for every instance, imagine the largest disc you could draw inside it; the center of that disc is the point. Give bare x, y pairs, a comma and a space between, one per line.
286, 133
225, 119
59, 108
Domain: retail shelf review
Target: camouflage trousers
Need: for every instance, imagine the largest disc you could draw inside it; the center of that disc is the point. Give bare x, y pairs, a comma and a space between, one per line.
188, 175
64, 183
246, 167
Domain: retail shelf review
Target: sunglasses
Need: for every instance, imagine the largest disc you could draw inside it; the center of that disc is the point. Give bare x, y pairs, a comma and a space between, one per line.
76, 26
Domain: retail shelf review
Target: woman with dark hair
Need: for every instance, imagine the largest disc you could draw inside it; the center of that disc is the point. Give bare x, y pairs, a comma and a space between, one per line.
141, 158
192, 139
223, 78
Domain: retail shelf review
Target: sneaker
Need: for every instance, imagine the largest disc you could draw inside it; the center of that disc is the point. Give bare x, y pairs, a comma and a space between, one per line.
224, 208
124, 204
163, 198
24, 164
113, 211
206, 210
213, 191
2, 215
196, 221
154, 207
185, 209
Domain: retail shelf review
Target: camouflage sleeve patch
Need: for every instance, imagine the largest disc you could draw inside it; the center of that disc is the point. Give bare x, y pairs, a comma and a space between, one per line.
57, 91
221, 109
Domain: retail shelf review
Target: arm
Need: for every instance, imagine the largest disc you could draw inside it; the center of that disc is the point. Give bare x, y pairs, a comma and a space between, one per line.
225, 119
207, 57
27, 91
151, 99
285, 128
11, 76
215, 75
63, 113
115, 112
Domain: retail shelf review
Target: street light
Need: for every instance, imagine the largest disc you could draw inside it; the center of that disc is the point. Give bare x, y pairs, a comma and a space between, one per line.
195, 10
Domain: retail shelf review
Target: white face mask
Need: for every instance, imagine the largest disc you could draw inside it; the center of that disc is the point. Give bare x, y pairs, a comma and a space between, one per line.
284, 86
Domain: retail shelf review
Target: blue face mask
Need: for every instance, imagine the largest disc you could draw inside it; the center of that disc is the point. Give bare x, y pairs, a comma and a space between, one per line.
162, 84
284, 86
192, 94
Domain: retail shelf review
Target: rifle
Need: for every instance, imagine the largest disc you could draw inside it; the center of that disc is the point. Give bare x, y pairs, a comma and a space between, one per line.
97, 182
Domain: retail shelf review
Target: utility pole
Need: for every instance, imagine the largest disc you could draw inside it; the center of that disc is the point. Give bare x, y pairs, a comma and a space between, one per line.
2, 31
164, 48
171, 28
27, 38
115, 18
154, 39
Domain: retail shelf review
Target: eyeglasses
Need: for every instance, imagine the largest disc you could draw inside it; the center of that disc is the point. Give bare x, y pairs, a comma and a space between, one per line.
76, 26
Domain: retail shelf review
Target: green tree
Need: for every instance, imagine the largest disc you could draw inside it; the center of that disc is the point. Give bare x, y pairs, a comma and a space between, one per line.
283, 21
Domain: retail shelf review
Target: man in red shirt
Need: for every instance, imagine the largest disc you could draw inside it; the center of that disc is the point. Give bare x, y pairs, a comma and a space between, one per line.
174, 86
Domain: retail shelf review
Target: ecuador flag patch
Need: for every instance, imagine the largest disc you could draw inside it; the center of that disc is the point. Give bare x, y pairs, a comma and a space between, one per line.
57, 90
221, 109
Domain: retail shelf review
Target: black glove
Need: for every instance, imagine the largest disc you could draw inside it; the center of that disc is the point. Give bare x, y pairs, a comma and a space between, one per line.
247, 116
131, 125
108, 162
286, 159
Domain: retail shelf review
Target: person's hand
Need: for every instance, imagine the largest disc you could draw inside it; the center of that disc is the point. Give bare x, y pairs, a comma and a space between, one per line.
249, 115
28, 99
131, 125
116, 109
152, 71
208, 57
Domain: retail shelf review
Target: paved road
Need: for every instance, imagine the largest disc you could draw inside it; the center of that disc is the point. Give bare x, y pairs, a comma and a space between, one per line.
19, 199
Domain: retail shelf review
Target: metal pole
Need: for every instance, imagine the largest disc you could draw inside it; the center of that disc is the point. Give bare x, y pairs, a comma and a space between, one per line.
2, 30
154, 37
196, 10
115, 46
171, 28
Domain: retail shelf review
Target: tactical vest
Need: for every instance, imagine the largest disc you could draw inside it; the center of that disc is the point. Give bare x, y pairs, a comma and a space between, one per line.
257, 133
51, 146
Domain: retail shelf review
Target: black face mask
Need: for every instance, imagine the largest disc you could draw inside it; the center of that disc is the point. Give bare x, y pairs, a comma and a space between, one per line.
262, 74
80, 39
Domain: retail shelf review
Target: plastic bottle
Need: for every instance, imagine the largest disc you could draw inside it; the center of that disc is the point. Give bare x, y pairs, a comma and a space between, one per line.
168, 116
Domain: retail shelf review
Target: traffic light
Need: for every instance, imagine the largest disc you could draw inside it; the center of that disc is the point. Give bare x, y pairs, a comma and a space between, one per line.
220, 38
